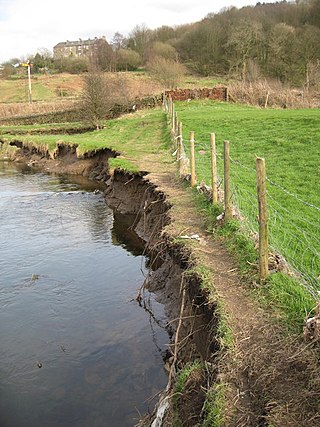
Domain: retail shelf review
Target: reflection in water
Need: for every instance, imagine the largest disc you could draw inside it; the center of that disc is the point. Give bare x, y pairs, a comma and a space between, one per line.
123, 235
68, 281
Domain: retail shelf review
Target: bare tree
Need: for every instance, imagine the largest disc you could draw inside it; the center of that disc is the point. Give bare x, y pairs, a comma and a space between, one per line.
166, 71
101, 92
96, 98
242, 44
118, 41
139, 39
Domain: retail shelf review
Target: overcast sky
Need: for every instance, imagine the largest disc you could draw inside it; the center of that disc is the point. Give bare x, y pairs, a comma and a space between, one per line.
27, 25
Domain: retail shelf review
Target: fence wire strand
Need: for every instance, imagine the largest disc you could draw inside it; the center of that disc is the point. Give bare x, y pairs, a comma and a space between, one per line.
293, 232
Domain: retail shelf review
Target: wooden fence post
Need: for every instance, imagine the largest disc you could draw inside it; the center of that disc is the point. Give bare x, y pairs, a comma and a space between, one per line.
213, 168
192, 160
179, 142
177, 126
170, 107
181, 151
263, 218
173, 117
227, 94
227, 183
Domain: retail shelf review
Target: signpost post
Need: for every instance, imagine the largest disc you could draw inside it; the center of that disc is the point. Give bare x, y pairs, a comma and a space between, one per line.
28, 65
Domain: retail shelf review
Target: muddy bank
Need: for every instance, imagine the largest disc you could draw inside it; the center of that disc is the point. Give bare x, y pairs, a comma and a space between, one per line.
170, 262
269, 377
193, 321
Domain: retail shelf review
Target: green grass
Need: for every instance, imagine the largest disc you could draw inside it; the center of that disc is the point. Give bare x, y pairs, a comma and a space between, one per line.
284, 295
123, 164
17, 91
135, 137
214, 406
43, 128
184, 374
289, 140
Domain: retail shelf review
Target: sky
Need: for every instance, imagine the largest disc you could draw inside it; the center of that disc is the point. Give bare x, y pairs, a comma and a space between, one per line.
29, 25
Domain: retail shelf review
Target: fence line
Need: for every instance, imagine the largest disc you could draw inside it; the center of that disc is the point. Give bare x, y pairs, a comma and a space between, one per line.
294, 245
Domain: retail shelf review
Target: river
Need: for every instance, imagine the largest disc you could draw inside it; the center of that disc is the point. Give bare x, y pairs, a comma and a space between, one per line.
75, 347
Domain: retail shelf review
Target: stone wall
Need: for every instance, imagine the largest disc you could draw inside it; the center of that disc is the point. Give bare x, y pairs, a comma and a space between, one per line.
219, 93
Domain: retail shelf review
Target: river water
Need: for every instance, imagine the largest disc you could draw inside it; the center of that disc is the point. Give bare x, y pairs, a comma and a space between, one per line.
75, 347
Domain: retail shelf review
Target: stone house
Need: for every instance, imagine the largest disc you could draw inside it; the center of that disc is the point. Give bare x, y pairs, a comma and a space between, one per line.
77, 48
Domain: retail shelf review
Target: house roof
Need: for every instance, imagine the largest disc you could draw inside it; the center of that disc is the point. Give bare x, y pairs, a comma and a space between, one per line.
76, 43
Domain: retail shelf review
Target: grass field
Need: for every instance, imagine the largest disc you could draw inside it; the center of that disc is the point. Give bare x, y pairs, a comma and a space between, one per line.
289, 140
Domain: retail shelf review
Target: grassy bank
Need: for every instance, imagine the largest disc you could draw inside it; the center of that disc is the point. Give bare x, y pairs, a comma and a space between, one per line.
134, 136
278, 135
289, 141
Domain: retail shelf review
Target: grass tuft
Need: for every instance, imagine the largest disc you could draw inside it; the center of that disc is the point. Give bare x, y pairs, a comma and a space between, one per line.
214, 406
124, 164
292, 302
185, 373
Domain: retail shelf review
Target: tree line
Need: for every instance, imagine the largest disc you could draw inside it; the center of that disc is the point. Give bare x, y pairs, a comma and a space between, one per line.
276, 40
280, 40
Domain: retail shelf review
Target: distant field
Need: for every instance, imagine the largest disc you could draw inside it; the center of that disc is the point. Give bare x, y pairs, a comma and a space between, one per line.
69, 86
289, 140
44, 88
57, 87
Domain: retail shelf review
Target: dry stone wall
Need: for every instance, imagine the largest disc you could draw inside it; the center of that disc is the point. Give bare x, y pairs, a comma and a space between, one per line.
219, 93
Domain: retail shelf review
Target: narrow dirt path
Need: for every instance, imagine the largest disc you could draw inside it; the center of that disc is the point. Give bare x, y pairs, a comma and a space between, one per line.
271, 379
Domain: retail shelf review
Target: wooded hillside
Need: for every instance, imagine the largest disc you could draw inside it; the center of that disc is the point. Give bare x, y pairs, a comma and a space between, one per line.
280, 40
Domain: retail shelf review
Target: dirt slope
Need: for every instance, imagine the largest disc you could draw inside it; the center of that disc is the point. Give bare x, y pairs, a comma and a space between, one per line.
272, 379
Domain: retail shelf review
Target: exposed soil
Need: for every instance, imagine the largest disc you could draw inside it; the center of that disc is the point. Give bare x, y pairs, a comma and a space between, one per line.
271, 379
93, 165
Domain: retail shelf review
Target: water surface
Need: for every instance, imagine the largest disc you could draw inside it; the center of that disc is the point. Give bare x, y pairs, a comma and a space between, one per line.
69, 277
